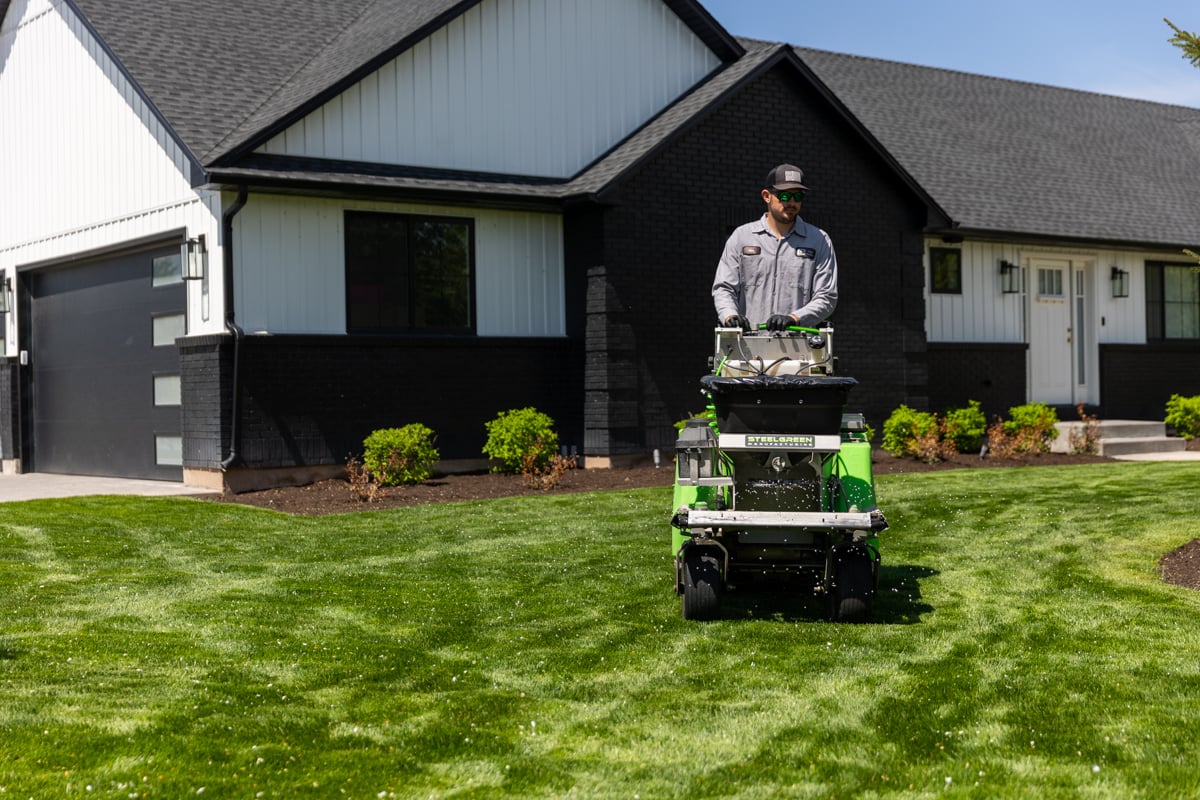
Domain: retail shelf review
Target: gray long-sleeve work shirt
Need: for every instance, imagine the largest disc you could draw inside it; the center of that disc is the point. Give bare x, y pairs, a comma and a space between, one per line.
759, 275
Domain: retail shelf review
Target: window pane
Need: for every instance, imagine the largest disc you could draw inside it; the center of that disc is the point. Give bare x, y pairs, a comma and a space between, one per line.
168, 451
1154, 301
406, 273
167, 329
442, 274
167, 270
1050, 282
167, 390
1181, 303
945, 270
377, 269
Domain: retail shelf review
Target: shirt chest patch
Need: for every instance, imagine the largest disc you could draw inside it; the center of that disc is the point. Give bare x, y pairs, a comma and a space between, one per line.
806, 252
751, 250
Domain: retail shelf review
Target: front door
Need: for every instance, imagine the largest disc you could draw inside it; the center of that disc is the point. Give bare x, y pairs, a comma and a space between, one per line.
1058, 338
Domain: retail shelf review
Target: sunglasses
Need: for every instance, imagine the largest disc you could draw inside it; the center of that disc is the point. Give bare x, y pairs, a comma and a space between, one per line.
789, 197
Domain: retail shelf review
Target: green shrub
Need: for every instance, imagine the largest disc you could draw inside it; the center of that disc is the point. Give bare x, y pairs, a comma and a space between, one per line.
905, 428
1183, 414
965, 427
1032, 427
396, 456
522, 440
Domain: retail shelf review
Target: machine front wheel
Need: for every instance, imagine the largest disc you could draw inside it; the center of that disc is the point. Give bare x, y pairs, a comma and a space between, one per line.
853, 590
701, 585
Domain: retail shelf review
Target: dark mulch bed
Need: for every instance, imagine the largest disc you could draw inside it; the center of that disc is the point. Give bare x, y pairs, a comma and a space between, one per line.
1181, 567
338, 497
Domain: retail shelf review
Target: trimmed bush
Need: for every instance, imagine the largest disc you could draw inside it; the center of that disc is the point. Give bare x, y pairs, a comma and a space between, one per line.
965, 427
394, 456
522, 440
905, 428
1032, 427
1183, 414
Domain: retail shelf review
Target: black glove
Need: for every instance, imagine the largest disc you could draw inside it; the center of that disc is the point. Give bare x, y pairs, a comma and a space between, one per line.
780, 322
737, 321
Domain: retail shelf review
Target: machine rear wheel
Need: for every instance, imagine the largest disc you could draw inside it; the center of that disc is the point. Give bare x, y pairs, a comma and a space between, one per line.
701, 585
853, 590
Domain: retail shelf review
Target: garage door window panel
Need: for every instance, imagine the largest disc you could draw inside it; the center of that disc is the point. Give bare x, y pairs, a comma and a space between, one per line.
167, 270
168, 390
168, 328
168, 450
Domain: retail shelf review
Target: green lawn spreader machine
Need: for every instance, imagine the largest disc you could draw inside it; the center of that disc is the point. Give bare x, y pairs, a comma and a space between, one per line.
775, 487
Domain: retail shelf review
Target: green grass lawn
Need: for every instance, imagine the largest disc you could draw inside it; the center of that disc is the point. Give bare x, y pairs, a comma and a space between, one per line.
532, 647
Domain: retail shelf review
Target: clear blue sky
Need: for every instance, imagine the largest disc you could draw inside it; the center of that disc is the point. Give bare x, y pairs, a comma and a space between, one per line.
1114, 47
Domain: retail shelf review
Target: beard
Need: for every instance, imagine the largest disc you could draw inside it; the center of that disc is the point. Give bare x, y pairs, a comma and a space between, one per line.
784, 216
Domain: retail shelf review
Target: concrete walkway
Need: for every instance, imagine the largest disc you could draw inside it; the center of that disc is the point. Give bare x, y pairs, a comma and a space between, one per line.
42, 485
1178, 455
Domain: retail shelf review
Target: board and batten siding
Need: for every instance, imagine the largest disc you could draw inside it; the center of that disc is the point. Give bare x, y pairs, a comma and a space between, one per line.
983, 313
528, 87
86, 164
289, 256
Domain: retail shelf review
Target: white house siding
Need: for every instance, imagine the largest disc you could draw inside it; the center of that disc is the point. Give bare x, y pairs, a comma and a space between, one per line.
289, 256
982, 313
86, 164
533, 87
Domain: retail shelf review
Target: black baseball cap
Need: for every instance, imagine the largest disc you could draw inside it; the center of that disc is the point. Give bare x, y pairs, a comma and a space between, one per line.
786, 176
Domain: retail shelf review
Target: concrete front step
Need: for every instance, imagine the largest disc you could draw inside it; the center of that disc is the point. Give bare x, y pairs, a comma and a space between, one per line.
1122, 437
1142, 444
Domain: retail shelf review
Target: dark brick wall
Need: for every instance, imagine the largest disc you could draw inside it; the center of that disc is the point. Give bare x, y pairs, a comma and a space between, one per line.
650, 306
309, 400
9, 414
1137, 380
993, 374
206, 371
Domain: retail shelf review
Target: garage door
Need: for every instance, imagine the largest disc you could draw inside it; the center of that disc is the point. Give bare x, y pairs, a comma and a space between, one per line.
104, 366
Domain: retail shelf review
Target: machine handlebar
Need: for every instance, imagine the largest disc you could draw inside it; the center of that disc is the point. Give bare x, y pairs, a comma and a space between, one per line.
795, 328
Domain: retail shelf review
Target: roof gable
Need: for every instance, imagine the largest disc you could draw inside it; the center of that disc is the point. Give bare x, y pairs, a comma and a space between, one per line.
1011, 157
227, 74
523, 87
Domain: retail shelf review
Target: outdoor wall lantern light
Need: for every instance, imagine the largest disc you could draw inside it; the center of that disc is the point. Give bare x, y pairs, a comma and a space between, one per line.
195, 259
1120, 282
1010, 277
5, 291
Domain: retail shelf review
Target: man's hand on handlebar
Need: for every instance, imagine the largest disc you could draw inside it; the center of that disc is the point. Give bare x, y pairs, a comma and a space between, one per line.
737, 321
780, 322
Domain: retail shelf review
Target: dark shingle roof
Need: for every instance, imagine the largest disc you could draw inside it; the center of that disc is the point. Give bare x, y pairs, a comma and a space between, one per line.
1012, 157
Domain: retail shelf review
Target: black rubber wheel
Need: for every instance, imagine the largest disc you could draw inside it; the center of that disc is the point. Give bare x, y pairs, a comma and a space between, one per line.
701, 585
854, 588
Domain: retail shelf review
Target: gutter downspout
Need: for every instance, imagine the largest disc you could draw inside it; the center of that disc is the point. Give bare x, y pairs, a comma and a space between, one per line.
232, 326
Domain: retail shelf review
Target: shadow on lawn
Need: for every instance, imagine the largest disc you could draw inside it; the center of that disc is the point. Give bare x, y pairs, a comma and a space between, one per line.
898, 599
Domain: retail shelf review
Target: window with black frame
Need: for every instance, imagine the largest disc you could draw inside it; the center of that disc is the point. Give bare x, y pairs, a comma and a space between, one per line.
408, 273
945, 270
1172, 301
